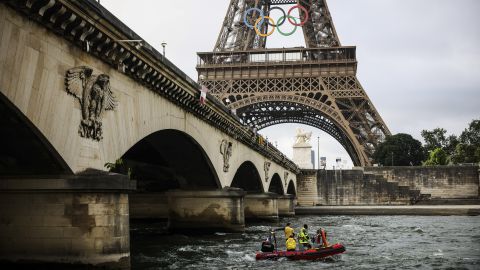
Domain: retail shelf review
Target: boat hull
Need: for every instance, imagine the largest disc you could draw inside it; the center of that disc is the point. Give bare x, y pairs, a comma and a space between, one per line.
311, 254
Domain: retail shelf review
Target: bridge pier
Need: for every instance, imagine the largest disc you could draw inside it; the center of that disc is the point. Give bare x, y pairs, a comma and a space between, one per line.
307, 193
286, 205
206, 211
262, 206
71, 221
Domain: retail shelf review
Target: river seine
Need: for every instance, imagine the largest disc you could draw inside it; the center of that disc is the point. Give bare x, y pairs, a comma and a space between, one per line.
372, 242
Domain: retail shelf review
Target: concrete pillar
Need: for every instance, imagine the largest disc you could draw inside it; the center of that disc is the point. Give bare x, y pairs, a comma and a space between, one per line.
307, 189
206, 211
262, 206
148, 205
68, 222
286, 205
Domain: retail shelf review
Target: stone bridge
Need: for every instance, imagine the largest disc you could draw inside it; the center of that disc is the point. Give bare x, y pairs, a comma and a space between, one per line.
75, 94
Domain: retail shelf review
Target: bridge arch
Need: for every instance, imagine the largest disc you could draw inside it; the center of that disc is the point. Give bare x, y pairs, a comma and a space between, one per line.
291, 188
302, 110
24, 148
276, 185
248, 178
170, 159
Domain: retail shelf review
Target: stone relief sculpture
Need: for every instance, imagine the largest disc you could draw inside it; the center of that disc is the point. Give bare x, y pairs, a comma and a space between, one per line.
266, 167
285, 177
95, 96
302, 136
226, 151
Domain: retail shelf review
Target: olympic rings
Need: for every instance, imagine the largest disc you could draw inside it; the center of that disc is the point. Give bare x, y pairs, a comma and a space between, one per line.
262, 17
289, 33
300, 7
248, 11
284, 16
258, 31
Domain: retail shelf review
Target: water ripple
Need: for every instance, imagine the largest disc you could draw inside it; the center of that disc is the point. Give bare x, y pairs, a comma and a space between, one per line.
383, 242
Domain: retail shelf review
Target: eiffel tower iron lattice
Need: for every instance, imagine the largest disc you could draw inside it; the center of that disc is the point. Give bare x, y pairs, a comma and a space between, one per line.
316, 85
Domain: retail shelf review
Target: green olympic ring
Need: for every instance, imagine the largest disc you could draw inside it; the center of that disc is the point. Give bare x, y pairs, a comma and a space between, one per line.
283, 18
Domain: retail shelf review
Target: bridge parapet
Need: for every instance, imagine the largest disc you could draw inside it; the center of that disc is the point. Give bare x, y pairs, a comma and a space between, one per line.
91, 27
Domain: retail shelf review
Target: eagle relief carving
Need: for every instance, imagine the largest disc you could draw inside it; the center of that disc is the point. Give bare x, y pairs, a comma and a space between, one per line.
226, 151
266, 168
95, 97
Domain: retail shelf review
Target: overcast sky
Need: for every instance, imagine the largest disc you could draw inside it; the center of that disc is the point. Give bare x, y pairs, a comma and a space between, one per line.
419, 61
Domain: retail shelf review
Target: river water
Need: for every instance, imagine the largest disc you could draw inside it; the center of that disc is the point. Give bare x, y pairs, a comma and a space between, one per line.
372, 242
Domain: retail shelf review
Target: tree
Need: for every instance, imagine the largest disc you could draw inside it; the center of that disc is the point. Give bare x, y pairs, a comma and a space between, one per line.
472, 134
399, 150
465, 153
468, 148
452, 142
437, 157
434, 139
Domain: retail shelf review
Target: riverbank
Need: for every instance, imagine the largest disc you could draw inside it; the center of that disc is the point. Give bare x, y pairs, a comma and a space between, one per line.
413, 210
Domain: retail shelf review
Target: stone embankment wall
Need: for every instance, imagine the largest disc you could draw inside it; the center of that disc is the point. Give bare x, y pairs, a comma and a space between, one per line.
396, 185
442, 182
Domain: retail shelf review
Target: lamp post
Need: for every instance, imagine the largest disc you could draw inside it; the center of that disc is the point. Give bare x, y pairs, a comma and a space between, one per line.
164, 44
318, 152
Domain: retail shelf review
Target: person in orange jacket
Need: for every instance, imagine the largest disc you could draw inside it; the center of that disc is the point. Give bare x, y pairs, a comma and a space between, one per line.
321, 238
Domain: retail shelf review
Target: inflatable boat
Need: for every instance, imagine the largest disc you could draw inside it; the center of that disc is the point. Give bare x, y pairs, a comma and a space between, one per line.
310, 254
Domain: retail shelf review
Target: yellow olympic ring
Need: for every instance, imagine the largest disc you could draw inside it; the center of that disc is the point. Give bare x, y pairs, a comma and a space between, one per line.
258, 31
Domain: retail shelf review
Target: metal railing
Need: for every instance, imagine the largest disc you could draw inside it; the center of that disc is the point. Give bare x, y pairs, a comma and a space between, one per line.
277, 56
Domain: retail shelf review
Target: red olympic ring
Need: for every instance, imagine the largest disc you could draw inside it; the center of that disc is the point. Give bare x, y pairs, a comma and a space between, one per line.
304, 10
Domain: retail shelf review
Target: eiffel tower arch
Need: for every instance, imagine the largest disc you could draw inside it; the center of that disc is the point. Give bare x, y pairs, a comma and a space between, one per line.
314, 85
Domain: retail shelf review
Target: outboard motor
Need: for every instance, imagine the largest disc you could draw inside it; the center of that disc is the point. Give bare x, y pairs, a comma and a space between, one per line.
267, 246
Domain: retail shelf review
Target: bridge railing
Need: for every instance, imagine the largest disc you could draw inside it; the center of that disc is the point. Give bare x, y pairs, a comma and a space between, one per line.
278, 56
102, 32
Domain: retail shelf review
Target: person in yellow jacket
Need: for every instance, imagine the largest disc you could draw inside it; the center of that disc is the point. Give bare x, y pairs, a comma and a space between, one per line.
304, 238
288, 231
291, 242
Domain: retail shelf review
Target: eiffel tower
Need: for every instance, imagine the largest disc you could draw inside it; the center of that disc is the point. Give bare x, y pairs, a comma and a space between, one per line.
316, 85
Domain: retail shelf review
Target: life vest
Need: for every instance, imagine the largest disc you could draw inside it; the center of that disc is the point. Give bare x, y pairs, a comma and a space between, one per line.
291, 243
322, 237
288, 232
303, 237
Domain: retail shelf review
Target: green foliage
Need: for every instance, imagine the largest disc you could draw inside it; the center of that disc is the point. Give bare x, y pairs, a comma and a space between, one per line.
466, 153
472, 134
452, 142
462, 149
119, 167
468, 148
437, 157
434, 139
399, 150
114, 167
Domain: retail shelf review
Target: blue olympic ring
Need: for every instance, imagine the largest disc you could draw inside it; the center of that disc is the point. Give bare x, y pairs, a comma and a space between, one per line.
248, 11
